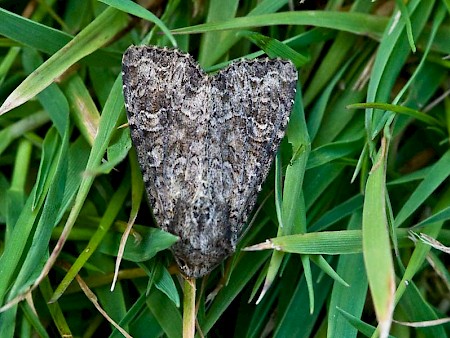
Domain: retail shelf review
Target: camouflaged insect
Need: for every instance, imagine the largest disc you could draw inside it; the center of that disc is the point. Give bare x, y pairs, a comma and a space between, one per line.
205, 143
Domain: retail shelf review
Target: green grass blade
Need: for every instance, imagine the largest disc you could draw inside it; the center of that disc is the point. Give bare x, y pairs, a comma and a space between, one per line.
390, 59
418, 309
405, 18
107, 220
153, 240
351, 269
356, 23
246, 268
327, 268
46, 39
99, 32
421, 251
217, 11
293, 219
15, 246
13, 131
297, 135
83, 109
275, 48
430, 120
50, 149
48, 219
55, 309
443, 215
135, 9
437, 175
32, 318
334, 215
7, 62
325, 242
31, 33
229, 38
52, 99
167, 315
333, 151
165, 284
297, 320
366, 329
377, 247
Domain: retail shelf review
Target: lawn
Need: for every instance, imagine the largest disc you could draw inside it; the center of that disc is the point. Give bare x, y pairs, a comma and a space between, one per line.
351, 227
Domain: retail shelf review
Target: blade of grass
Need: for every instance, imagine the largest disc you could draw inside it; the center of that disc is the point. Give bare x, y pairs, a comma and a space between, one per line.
430, 120
421, 251
7, 62
56, 180
139, 11
153, 240
351, 269
297, 321
390, 59
83, 109
356, 23
218, 10
52, 99
418, 308
55, 310
94, 36
165, 312
376, 245
32, 318
245, 269
328, 269
107, 220
405, 17
15, 193
325, 242
437, 175
275, 48
334, 60
46, 39
46, 172
334, 151
229, 38
15, 130
15, 246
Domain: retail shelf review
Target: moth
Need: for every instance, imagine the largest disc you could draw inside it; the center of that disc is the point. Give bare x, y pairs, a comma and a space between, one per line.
205, 143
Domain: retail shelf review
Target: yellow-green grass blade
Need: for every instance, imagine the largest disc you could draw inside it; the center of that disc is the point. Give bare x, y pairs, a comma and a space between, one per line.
377, 247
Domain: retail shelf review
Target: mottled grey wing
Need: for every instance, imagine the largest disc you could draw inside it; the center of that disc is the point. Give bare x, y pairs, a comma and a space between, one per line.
161, 91
167, 99
253, 100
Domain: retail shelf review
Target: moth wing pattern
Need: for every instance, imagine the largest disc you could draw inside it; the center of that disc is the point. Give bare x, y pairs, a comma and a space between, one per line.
205, 144
257, 98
